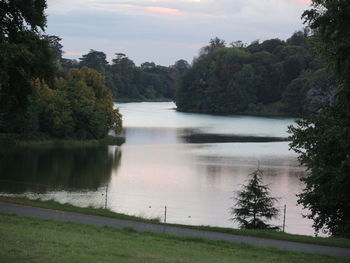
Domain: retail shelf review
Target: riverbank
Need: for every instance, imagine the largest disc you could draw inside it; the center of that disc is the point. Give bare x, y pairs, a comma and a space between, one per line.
142, 100
265, 114
267, 111
269, 234
26, 239
22, 141
273, 110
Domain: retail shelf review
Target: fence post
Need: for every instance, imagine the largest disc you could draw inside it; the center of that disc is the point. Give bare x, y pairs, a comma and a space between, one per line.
284, 218
165, 210
106, 196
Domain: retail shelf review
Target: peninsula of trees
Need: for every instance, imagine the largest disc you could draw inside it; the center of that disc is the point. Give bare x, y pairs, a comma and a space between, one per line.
274, 77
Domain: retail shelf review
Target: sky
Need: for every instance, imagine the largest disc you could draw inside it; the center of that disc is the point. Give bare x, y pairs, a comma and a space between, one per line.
164, 31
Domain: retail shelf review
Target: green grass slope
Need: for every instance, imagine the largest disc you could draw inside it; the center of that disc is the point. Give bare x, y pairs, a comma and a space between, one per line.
325, 241
29, 240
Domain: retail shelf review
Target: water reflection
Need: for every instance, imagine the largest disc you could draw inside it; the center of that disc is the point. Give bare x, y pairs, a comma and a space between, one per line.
159, 167
42, 169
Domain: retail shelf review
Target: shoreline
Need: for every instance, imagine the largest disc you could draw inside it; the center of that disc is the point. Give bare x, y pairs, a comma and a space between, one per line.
16, 140
247, 113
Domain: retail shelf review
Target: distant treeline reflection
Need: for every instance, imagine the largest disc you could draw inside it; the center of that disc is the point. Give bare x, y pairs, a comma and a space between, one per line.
222, 138
45, 169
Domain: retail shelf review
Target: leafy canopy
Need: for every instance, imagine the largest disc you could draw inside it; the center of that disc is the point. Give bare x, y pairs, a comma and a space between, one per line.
323, 140
25, 57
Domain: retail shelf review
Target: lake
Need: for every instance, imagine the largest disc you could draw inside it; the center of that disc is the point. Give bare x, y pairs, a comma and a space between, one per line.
159, 165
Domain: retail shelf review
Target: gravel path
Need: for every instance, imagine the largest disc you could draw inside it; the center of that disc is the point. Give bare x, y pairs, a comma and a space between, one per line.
147, 227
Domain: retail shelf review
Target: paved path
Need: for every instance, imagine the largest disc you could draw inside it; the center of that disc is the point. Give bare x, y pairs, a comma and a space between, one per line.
147, 227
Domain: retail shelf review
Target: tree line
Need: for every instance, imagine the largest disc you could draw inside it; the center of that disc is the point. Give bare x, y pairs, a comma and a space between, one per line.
272, 77
129, 82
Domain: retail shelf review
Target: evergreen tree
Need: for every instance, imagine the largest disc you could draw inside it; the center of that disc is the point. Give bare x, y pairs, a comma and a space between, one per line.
254, 206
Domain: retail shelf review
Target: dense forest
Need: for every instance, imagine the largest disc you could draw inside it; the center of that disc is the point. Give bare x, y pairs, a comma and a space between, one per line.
37, 98
273, 77
128, 82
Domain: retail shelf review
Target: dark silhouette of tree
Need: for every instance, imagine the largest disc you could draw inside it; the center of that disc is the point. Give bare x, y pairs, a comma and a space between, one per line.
323, 140
214, 43
253, 204
25, 56
96, 60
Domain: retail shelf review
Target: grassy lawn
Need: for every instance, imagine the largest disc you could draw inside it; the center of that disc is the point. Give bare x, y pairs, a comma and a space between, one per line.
335, 242
25, 239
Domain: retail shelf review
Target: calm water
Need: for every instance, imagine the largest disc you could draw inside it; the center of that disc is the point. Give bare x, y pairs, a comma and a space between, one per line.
157, 168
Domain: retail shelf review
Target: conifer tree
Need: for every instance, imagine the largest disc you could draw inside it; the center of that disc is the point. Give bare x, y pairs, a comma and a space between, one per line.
253, 204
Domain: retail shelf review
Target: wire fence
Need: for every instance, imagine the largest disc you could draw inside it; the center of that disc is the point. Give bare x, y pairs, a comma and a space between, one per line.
103, 195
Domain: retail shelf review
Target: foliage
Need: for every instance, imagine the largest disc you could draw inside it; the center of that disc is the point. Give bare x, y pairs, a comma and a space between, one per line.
80, 107
247, 78
323, 144
128, 81
254, 205
36, 99
25, 56
323, 140
331, 20
308, 92
95, 60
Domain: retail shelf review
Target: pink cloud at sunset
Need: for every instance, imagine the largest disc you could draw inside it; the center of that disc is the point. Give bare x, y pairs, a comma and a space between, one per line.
165, 11
303, 1
157, 10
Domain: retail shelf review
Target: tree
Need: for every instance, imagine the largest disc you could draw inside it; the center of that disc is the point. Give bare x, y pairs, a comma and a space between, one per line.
56, 47
91, 104
253, 78
25, 57
96, 60
253, 205
214, 43
181, 66
323, 140
330, 20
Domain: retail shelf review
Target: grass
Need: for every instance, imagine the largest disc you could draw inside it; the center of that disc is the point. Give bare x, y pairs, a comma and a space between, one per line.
329, 241
70, 208
22, 141
25, 239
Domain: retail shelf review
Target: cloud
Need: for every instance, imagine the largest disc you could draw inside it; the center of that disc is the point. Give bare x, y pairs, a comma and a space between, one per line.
143, 8
214, 16
73, 53
163, 30
303, 2
165, 11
